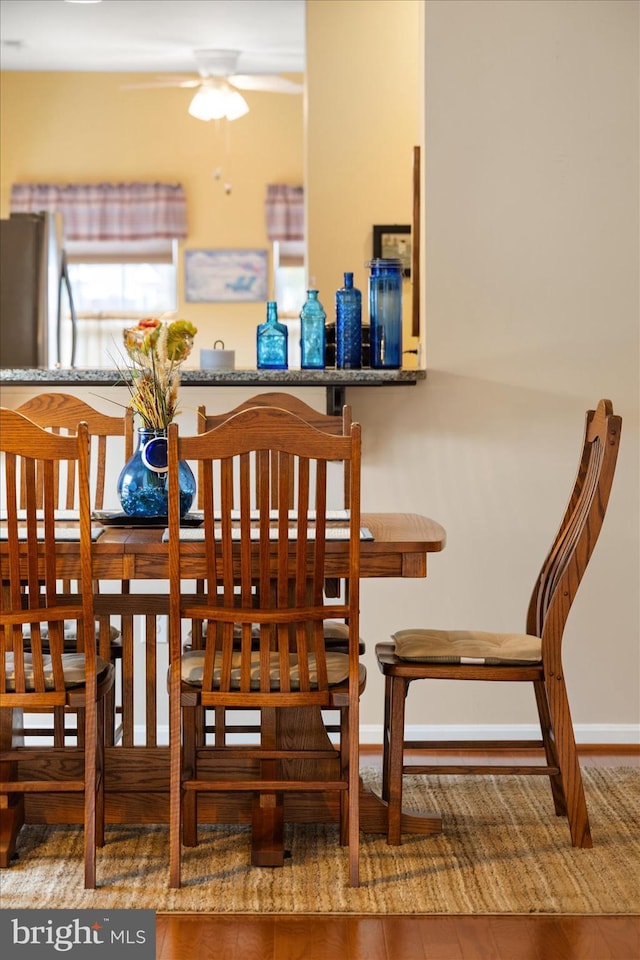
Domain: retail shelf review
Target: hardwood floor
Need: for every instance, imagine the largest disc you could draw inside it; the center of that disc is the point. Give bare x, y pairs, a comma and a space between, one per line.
181, 937
398, 938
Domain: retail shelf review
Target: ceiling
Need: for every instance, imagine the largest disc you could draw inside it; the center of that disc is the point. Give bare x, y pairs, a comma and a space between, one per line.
151, 36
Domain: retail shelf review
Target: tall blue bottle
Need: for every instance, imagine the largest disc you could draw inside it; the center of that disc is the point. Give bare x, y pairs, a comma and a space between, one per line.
272, 341
385, 313
348, 326
312, 333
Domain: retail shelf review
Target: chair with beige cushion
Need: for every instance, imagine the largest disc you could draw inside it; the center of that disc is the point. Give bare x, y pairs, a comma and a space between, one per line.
35, 672
61, 413
533, 657
264, 606
336, 633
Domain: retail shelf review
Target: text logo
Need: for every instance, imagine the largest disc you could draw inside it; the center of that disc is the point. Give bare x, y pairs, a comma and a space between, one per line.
79, 934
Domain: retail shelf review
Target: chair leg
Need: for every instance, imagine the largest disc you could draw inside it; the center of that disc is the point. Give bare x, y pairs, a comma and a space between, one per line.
100, 785
175, 781
395, 760
354, 795
267, 809
89, 860
385, 738
190, 717
12, 815
568, 761
550, 748
344, 772
89, 722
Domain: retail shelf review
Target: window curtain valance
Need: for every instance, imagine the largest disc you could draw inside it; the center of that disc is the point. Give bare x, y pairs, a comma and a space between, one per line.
284, 208
108, 211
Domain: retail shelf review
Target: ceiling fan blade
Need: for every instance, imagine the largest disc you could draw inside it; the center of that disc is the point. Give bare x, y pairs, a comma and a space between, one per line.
168, 82
265, 83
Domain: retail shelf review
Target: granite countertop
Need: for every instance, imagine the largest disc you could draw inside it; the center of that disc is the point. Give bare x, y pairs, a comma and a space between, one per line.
191, 377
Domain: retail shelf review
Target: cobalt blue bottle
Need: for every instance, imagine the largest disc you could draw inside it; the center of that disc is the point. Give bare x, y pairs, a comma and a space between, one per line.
385, 313
348, 326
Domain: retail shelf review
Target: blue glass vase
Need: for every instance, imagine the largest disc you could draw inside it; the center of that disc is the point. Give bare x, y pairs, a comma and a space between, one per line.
143, 482
385, 313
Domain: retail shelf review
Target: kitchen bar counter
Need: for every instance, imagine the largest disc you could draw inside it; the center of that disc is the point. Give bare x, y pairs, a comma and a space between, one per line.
335, 381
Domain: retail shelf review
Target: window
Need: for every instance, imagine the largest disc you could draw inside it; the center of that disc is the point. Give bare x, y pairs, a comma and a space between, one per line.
114, 289
113, 286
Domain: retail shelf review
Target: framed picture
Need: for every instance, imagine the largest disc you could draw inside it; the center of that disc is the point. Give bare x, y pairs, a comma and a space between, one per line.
393, 242
225, 276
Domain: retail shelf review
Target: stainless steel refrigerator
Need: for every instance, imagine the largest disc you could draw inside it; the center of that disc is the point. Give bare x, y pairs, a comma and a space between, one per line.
37, 315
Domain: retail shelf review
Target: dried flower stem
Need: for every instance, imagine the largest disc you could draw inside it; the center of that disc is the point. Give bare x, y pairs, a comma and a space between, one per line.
156, 351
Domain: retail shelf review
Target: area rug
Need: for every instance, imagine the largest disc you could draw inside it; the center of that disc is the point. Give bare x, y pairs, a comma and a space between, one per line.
503, 851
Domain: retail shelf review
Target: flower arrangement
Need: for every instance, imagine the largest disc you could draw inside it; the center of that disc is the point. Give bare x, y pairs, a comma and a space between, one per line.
155, 350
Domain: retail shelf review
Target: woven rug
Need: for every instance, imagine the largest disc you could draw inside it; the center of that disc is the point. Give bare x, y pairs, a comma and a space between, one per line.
502, 851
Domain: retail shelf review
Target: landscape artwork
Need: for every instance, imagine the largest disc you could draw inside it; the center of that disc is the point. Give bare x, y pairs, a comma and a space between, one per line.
225, 276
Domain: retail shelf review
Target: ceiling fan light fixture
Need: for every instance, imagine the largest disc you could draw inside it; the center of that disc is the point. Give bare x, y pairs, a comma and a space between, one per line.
213, 101
237, 106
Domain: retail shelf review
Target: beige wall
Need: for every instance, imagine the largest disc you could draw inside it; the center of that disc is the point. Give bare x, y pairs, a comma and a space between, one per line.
531, 315
531, 309
68, 127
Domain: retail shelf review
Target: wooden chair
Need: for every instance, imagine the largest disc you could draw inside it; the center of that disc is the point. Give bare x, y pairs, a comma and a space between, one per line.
40, 675
264, 580
61, 413
336, 633
423, 654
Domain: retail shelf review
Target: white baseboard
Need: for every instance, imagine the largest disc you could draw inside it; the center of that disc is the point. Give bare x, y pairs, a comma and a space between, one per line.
615, 734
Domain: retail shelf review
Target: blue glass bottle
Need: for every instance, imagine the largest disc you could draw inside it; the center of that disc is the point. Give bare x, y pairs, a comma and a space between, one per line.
348, 326
272, 341
312, 333
385, 313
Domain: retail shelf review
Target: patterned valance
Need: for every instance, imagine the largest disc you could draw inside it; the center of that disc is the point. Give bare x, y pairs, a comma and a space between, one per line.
284, 208
108, 211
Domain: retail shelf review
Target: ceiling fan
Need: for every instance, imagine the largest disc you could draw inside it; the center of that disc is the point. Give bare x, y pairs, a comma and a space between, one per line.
218, 85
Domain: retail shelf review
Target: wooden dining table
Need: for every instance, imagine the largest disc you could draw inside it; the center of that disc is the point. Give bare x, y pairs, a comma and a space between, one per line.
132, 564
